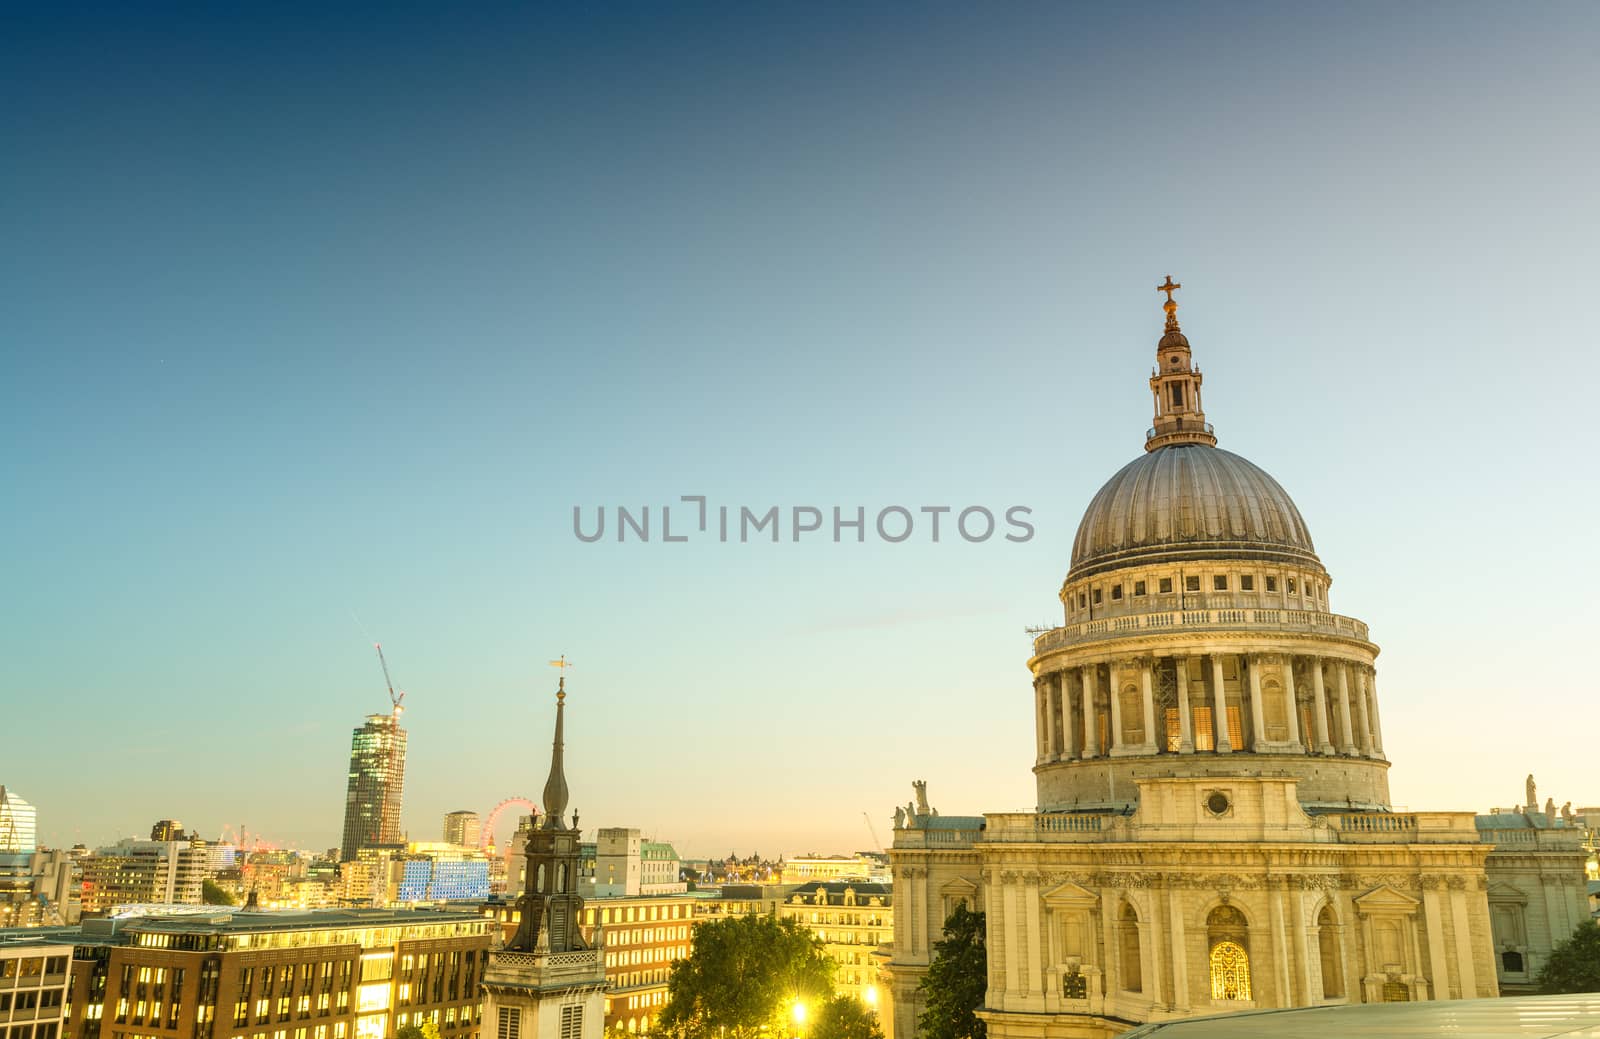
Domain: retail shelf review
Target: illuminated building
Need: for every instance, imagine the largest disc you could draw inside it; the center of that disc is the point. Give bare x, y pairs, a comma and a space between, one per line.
549, 980
377, 776
221, 973
806, 868
432, 872
852, 920
142, 872
19, 823
462, 829
34, 982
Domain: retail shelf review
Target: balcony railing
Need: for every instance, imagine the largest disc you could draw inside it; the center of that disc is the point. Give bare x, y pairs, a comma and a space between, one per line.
1269, 619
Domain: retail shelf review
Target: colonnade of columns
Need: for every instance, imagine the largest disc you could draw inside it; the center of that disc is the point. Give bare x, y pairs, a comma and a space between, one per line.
1109, 708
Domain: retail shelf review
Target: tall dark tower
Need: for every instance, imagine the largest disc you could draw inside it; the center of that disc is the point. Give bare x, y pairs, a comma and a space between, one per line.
550, 902
548, 983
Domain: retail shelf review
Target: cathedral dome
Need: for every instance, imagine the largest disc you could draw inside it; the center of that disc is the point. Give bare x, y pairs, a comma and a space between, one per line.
1190, 501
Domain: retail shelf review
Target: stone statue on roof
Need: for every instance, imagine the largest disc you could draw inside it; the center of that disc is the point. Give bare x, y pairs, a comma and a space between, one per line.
899, 818
921, 787
1566, 813
1550, 809
1532, 791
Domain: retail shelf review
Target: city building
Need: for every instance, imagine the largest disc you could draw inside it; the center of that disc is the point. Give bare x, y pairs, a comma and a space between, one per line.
19, 824
549, 981
142, 872
626, 864
805, 868
1537, 886
852, 919
169, 830
644, 935
463, 828
35, 970
439, 872
222, 973
376, 781
1213, 829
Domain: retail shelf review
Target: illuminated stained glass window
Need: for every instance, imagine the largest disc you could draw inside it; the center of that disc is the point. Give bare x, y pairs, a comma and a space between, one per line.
1230, 971
1174, 731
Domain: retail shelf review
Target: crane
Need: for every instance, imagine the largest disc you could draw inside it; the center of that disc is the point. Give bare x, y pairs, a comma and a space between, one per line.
397, 708
874, 831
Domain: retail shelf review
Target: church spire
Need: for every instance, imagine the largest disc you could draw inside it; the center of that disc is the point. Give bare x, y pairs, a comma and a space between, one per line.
555, 787
1175, 385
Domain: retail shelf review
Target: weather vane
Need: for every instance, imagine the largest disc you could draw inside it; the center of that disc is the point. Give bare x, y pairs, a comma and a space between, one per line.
561, 686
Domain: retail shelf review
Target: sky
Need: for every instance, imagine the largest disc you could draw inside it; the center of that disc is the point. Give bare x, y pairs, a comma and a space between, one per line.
316, 326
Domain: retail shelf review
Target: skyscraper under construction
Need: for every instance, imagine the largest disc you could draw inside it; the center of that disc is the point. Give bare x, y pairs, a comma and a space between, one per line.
377, 774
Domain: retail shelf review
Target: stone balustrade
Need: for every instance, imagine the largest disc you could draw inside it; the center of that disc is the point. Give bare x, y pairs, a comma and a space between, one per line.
1403, 827
1276, 619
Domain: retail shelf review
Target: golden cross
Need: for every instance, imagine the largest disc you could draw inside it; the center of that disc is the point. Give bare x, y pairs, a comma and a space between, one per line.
1169, 288
563, 663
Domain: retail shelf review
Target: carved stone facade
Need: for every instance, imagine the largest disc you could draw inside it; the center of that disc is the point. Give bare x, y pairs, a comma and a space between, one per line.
1213, 829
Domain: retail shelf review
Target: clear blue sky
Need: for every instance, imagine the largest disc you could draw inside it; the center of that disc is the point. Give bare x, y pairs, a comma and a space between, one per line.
312, 316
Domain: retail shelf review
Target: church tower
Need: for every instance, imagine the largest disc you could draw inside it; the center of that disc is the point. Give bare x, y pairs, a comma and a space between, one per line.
547, 983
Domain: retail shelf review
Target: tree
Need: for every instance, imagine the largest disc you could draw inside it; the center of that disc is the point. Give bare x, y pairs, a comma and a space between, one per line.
953, 988
1574, 964
211, 894
744, 973
426, 1030
843, 1017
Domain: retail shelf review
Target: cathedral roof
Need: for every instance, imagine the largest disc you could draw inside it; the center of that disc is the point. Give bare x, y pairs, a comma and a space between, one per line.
1189, 502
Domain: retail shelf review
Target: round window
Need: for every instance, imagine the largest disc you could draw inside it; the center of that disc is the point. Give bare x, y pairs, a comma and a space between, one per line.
1218, 803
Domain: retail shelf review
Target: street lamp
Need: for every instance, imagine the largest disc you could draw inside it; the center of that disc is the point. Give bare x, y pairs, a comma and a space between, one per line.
799, 1017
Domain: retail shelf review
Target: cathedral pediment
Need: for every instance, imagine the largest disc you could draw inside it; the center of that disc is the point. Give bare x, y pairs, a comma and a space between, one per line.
1507, 893
1385, 899
960, 887
1070, 896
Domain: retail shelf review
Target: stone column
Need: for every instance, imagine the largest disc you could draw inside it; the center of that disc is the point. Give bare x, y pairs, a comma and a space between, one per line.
1067, 728
1146, 679
1013, 932
1319, 719
1347, 735
1219, 707
1258, 724
1116, 712
1185, 726
1280, 947
1180, 951
1377, 726
1091, 727
1047, 721
1302, 947
1292, 702
1030, 895
1363, 733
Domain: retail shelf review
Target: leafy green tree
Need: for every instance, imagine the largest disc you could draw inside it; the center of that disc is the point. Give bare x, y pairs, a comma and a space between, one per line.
743, 974
843, 1017
211, 894
952, 991
1574, 964
426, 1030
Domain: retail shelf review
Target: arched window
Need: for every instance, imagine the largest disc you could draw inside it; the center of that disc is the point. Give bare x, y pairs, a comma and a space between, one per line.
1230, 971
1227, 938
1332, 961
1274, 710
561, 878
1511, 962
1132, 975
539, 882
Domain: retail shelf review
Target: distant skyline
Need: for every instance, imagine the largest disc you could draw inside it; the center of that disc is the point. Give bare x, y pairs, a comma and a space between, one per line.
319, 323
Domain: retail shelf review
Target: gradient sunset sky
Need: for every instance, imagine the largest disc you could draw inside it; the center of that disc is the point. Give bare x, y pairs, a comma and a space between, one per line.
316, 325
